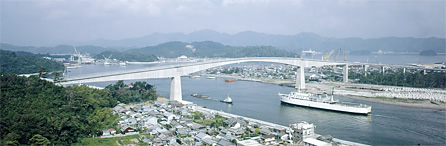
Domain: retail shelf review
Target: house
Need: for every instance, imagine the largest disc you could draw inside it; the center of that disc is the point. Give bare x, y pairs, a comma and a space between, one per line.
158, 103
209, 141
248, 143
237, 132
152, 121
157, 141
146, 109
268, 139
127, 130
230, 137
279, 129
282, 136
201, 136
132, 121
195, 126
177, 105
181, 132
225, 143
118, 109
108, 132
185, 112
160, 130
163, 137
231, 122
265, 131
185, 120
146, 140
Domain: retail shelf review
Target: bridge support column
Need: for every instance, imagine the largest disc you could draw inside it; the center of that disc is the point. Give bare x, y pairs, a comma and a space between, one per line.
345, 77
175, 89
365, 69
300, 78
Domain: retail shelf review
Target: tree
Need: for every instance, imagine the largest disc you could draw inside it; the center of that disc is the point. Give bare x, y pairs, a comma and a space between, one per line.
39, 140
140, 91
42, 70
64, 114
11, 62
234, 141
57, 76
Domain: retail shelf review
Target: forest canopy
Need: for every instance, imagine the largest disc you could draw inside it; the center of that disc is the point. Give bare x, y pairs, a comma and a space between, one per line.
11, 62
35, 111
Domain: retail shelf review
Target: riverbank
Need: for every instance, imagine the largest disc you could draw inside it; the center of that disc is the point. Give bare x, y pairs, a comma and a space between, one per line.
364, 92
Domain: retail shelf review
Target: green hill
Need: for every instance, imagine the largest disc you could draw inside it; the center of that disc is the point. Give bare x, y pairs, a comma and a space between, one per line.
212, 49
32, 109
11, 62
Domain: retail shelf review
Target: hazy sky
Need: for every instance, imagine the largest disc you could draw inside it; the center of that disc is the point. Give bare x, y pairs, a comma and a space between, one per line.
38, 22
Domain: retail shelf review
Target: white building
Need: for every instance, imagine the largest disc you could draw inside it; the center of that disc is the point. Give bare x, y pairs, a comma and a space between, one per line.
300, 131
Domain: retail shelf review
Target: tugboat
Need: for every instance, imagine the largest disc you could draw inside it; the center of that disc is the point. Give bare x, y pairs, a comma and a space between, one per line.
227, 100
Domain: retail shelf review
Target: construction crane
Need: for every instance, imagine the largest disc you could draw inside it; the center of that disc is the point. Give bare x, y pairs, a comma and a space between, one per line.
336, 57
327, 55
107, 59
79, 62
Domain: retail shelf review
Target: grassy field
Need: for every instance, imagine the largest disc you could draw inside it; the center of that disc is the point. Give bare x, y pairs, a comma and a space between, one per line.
113, 141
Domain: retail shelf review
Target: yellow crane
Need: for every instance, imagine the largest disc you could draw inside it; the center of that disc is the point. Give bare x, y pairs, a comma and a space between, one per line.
336, 57
327, 55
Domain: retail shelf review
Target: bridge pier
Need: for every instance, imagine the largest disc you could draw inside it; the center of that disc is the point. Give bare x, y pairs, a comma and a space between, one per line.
345, 77
175, 89
365, 69
300, 78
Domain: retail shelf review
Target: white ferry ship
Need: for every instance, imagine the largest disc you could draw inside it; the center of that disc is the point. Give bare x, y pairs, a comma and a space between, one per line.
326, 102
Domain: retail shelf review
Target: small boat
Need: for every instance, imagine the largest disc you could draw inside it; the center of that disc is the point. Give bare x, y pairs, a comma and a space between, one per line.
433, 102
230, 80
200, 96
210, 77
72, 67
227, 100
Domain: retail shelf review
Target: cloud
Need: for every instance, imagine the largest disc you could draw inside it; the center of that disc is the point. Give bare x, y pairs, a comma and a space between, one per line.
117, 19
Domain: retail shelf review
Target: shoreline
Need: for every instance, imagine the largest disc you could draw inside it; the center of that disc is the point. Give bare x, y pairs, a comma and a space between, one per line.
321, 87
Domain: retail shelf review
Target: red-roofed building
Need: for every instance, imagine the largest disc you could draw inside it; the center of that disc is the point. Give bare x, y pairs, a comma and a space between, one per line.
107, 132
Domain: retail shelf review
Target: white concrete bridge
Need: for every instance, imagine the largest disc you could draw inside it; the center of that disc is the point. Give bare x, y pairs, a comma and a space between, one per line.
176, 71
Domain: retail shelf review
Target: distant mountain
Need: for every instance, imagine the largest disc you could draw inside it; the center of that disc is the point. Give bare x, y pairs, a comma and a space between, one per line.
211, 49
304, 40
60, 49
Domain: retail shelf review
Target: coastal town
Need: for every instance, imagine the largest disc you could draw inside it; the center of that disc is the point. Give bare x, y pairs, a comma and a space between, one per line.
174, 123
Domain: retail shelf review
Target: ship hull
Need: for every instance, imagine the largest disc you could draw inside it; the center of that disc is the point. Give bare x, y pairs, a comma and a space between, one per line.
226, 102
326, 106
